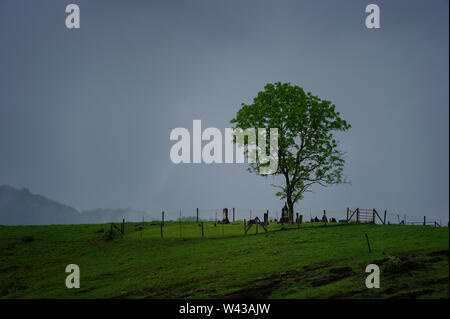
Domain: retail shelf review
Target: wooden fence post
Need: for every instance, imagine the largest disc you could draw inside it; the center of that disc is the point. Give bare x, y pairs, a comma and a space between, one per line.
348, 214
256, 227
180, 223
357, 215
202, 230
162, 218
245, 227
384, 220
368, 243
233, 214
373, 216
197, 215
424, 220
123, 226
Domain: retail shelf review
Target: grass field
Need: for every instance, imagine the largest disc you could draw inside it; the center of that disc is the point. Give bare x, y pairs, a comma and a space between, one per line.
310, 262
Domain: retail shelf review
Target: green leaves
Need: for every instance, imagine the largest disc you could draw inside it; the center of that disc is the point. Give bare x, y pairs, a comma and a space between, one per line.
308, 152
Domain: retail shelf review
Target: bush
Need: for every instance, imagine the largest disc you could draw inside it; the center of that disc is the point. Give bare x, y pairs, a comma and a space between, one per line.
394, 265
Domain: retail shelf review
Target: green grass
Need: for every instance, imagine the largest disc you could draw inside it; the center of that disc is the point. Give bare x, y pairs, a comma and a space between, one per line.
289, 263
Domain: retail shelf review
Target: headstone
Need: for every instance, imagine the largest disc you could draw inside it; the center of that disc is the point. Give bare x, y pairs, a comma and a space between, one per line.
324, 218
284, 214
225, 216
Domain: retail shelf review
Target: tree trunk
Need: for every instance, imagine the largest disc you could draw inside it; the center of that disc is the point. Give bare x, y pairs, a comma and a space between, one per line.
291, 210
289, 199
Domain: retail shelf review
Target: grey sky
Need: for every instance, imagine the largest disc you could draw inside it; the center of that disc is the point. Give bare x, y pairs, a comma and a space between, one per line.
85, 115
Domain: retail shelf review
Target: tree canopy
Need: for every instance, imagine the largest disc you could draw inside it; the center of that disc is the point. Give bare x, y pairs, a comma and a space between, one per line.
308, 152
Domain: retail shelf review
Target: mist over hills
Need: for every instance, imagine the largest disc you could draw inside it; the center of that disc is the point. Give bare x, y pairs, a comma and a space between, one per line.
107, 215
21, 207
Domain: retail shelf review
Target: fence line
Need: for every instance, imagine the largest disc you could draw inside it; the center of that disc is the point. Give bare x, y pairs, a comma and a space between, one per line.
215, 214
217, 227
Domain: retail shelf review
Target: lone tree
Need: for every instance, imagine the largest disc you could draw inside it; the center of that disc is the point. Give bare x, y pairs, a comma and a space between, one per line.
307, 151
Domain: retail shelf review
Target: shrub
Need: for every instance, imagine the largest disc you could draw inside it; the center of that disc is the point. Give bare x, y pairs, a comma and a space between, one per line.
394, 265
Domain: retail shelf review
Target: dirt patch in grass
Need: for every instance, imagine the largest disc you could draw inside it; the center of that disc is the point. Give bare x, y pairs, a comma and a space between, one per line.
97, 240
27, 238
315, 267
336, 275
11, 286
195, 292
380, 262
261, 291
275, 253
413, 294
438, 253
262, 288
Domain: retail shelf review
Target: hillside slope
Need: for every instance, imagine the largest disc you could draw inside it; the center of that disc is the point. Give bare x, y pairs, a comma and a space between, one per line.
310, 262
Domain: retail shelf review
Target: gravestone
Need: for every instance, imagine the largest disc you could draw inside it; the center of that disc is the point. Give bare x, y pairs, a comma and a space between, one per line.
225, 219
324, 218
284, 214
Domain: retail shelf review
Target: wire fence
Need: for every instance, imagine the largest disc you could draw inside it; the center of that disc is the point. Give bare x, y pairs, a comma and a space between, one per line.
241, 213
393, 217
226, 222
216, 214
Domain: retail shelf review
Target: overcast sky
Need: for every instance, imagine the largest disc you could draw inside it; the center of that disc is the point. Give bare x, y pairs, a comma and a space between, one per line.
85, 115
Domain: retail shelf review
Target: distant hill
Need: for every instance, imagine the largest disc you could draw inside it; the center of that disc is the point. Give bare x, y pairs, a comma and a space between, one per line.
21, 207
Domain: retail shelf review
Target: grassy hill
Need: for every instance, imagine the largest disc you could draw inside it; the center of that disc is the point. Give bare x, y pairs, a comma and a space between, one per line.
310, 262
